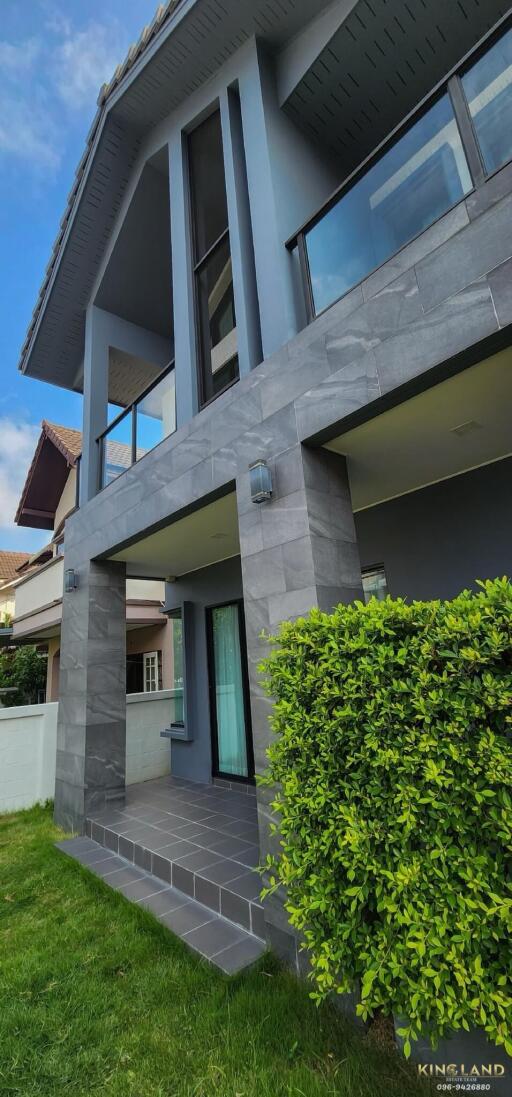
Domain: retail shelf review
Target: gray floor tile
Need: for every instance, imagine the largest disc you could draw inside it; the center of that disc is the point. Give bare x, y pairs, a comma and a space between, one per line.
103, 868
213, 937
240, 955
141, 889
248, 886
125, 874
201, 859
165, 901
223, 871
187, 917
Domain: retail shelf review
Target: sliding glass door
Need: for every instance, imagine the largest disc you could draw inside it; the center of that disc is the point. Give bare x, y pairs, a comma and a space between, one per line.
232, 748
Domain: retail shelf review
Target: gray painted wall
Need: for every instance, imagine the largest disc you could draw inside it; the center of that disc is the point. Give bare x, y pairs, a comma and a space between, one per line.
435, 542
207, 587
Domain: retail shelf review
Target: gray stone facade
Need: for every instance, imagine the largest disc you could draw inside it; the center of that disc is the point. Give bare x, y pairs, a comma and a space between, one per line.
440, 305
300, 550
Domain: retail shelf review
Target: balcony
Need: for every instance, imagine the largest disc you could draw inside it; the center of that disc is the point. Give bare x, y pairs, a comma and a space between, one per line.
458, 138
38, 605
139, 428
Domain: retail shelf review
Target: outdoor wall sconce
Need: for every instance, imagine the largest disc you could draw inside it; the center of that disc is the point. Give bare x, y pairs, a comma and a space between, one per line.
70, 580
260, 479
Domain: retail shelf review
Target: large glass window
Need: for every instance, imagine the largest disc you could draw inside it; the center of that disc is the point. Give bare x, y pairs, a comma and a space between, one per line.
488, 90
156, 414
138, 429
405, 191
212, 260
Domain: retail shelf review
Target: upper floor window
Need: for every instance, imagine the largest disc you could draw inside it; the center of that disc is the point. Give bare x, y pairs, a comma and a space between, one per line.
406, 190
488, 90
463, 136
215, 306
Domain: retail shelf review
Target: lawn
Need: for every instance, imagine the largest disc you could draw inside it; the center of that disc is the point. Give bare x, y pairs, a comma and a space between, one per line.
98, 998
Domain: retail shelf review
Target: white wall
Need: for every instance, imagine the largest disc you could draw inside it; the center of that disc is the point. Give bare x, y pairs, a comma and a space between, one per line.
28, 743
67, 500
42, 588
147, 754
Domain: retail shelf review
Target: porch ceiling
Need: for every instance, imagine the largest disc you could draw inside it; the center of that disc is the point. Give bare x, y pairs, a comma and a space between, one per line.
196, 541
457, 425
381, 61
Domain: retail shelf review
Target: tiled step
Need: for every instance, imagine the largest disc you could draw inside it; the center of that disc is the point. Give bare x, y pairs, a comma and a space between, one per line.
199, 839
227, 946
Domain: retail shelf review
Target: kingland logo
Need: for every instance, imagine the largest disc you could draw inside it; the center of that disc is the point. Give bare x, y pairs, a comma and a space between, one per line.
460, 1070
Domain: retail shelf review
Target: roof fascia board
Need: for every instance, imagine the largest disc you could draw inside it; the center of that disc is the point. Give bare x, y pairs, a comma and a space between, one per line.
148, 53
65, 239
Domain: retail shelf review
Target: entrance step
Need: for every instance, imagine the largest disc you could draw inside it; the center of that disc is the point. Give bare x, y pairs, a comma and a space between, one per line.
200, 839
215, 938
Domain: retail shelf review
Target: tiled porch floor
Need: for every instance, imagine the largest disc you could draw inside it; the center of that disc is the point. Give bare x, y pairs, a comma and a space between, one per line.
202, 839
187, 852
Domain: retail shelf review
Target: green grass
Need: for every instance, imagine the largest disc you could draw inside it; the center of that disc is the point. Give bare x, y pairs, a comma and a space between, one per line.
97, 998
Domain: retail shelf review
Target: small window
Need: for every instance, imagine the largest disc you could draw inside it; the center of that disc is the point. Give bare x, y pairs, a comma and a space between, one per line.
375, 583
152, 663
176, 618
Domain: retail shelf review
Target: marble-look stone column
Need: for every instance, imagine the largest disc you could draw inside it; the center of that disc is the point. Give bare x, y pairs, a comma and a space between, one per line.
297, 551
91, 733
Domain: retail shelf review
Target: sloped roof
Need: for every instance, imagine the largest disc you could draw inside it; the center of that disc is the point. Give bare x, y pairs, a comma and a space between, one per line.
56, 452
10, 562
161, 17
67, 439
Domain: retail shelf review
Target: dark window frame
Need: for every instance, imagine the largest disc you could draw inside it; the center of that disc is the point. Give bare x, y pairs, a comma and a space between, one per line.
206, 394
214, 732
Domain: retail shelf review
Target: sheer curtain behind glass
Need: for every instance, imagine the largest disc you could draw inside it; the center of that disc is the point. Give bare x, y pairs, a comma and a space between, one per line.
232, 747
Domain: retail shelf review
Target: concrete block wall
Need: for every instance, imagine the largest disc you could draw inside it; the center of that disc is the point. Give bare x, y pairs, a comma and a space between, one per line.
28, 739
147, 754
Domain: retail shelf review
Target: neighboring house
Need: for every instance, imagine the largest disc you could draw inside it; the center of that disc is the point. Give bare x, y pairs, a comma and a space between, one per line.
10, 562
288, 244
49, 497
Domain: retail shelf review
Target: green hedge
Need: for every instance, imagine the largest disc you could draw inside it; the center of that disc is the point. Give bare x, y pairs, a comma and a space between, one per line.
392, 765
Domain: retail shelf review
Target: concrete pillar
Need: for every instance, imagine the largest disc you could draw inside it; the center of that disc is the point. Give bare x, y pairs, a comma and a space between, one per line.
91, 733
187, 401
240, 234
95, 399
298, 551
274, 266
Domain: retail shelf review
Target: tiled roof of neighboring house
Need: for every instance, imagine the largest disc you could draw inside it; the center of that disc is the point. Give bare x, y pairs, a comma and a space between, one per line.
10, 562
66, 440
149, 33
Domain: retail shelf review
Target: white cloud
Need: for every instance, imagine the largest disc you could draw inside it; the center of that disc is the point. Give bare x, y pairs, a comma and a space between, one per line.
17, 445
87, 59
28, 132
47, 80
16, 59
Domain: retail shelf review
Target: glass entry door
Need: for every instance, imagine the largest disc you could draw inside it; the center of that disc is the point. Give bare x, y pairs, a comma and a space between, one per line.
232, 747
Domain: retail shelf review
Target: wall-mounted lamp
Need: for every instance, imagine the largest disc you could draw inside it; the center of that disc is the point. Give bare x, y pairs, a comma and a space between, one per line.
70, 580
260, 479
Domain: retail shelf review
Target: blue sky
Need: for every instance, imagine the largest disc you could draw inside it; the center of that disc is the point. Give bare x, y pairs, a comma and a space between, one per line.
53, 59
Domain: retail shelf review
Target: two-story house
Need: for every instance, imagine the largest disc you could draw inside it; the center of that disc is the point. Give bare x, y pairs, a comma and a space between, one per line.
48, 498
287, 255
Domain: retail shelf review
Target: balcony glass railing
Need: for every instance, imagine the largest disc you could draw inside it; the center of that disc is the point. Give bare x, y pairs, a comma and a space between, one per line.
434, 160
139, 428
